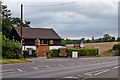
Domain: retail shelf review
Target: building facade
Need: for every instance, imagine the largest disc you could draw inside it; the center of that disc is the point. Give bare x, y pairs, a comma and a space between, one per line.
48, 38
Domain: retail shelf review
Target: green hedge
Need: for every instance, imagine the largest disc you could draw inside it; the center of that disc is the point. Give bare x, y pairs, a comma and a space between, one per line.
116, 47
81, 52
26, 53
11, 49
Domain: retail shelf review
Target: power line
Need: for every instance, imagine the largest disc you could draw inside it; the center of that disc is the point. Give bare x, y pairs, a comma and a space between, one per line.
61, 4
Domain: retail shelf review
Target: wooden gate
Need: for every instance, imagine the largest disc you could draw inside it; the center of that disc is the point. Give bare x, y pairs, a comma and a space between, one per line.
42, 50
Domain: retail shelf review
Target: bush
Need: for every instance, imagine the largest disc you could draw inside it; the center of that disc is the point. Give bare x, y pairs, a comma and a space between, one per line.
81, 52
11, 49
54, 53
26, 53
116, 47
63, 43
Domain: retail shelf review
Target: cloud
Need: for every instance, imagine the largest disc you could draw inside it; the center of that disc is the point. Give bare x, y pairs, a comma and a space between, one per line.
72, 20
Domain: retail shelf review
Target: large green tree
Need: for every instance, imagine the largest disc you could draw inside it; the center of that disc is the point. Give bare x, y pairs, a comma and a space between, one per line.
107, 38
8, 21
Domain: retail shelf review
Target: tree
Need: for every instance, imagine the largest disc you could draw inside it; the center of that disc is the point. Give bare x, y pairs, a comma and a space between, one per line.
8, 21
63, 43
113, 39
106, 38
118, 39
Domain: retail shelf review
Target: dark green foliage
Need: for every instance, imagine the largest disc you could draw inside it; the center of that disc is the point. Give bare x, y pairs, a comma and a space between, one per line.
8, 21
63, 43
10, 49
116, 47
118, 39
26, 53
34, 53
106, 38
54, 53
81, 52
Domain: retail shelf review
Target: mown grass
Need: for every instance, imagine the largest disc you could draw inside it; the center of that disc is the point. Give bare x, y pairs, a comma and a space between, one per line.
13, 61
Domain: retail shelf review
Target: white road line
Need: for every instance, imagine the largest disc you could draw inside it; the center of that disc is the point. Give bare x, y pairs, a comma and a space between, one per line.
35, 68
48, 66
88, 74
102, 72
7, 70
84, 78
99, 70
70, 77
116, 67
19, 70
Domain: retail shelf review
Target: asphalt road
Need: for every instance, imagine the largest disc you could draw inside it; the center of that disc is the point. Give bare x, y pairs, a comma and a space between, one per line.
82, 68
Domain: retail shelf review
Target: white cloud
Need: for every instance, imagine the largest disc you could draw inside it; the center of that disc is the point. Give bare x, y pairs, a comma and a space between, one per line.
72, 20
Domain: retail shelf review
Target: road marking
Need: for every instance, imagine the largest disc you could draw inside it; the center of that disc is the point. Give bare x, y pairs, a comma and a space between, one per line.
84, 78
102, 72
35, 68
116, 67
70, 77
48, 66
88, 74
99, 70
19, 70
7, 70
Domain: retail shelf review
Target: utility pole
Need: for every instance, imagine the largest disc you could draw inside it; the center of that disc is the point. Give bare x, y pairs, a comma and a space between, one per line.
21, 29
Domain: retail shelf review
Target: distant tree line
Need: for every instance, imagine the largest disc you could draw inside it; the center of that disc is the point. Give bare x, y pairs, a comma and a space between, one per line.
106, 38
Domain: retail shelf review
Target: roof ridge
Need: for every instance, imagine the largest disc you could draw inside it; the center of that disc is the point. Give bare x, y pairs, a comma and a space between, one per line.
35, 28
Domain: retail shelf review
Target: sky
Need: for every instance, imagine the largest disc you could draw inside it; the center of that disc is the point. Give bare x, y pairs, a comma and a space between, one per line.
70, 19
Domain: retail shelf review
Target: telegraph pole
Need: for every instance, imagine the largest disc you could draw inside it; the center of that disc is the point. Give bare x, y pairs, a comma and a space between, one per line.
21, 29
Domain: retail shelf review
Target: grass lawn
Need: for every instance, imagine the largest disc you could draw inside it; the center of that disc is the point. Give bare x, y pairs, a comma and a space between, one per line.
13, 61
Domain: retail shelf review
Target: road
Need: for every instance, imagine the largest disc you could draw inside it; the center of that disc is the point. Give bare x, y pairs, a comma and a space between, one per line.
62, 69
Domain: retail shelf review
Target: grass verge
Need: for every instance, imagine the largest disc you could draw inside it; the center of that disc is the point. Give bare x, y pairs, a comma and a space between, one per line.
13, 61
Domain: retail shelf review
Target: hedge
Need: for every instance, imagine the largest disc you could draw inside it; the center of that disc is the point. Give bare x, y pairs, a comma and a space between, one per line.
11, 49
26, 53
116, 47
81, 52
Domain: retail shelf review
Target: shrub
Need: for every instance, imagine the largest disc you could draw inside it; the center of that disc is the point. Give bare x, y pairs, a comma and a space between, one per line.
81, 52
116, 47
63, 43
55, 53
34, 53
11, 49
26, 53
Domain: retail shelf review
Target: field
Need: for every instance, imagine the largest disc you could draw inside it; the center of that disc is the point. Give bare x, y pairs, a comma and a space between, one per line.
104, 46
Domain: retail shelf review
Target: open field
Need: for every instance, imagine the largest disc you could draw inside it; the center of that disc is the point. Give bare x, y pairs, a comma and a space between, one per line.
104, 46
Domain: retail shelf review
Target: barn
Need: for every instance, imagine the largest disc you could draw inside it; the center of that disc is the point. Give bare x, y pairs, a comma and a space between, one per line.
47, 37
